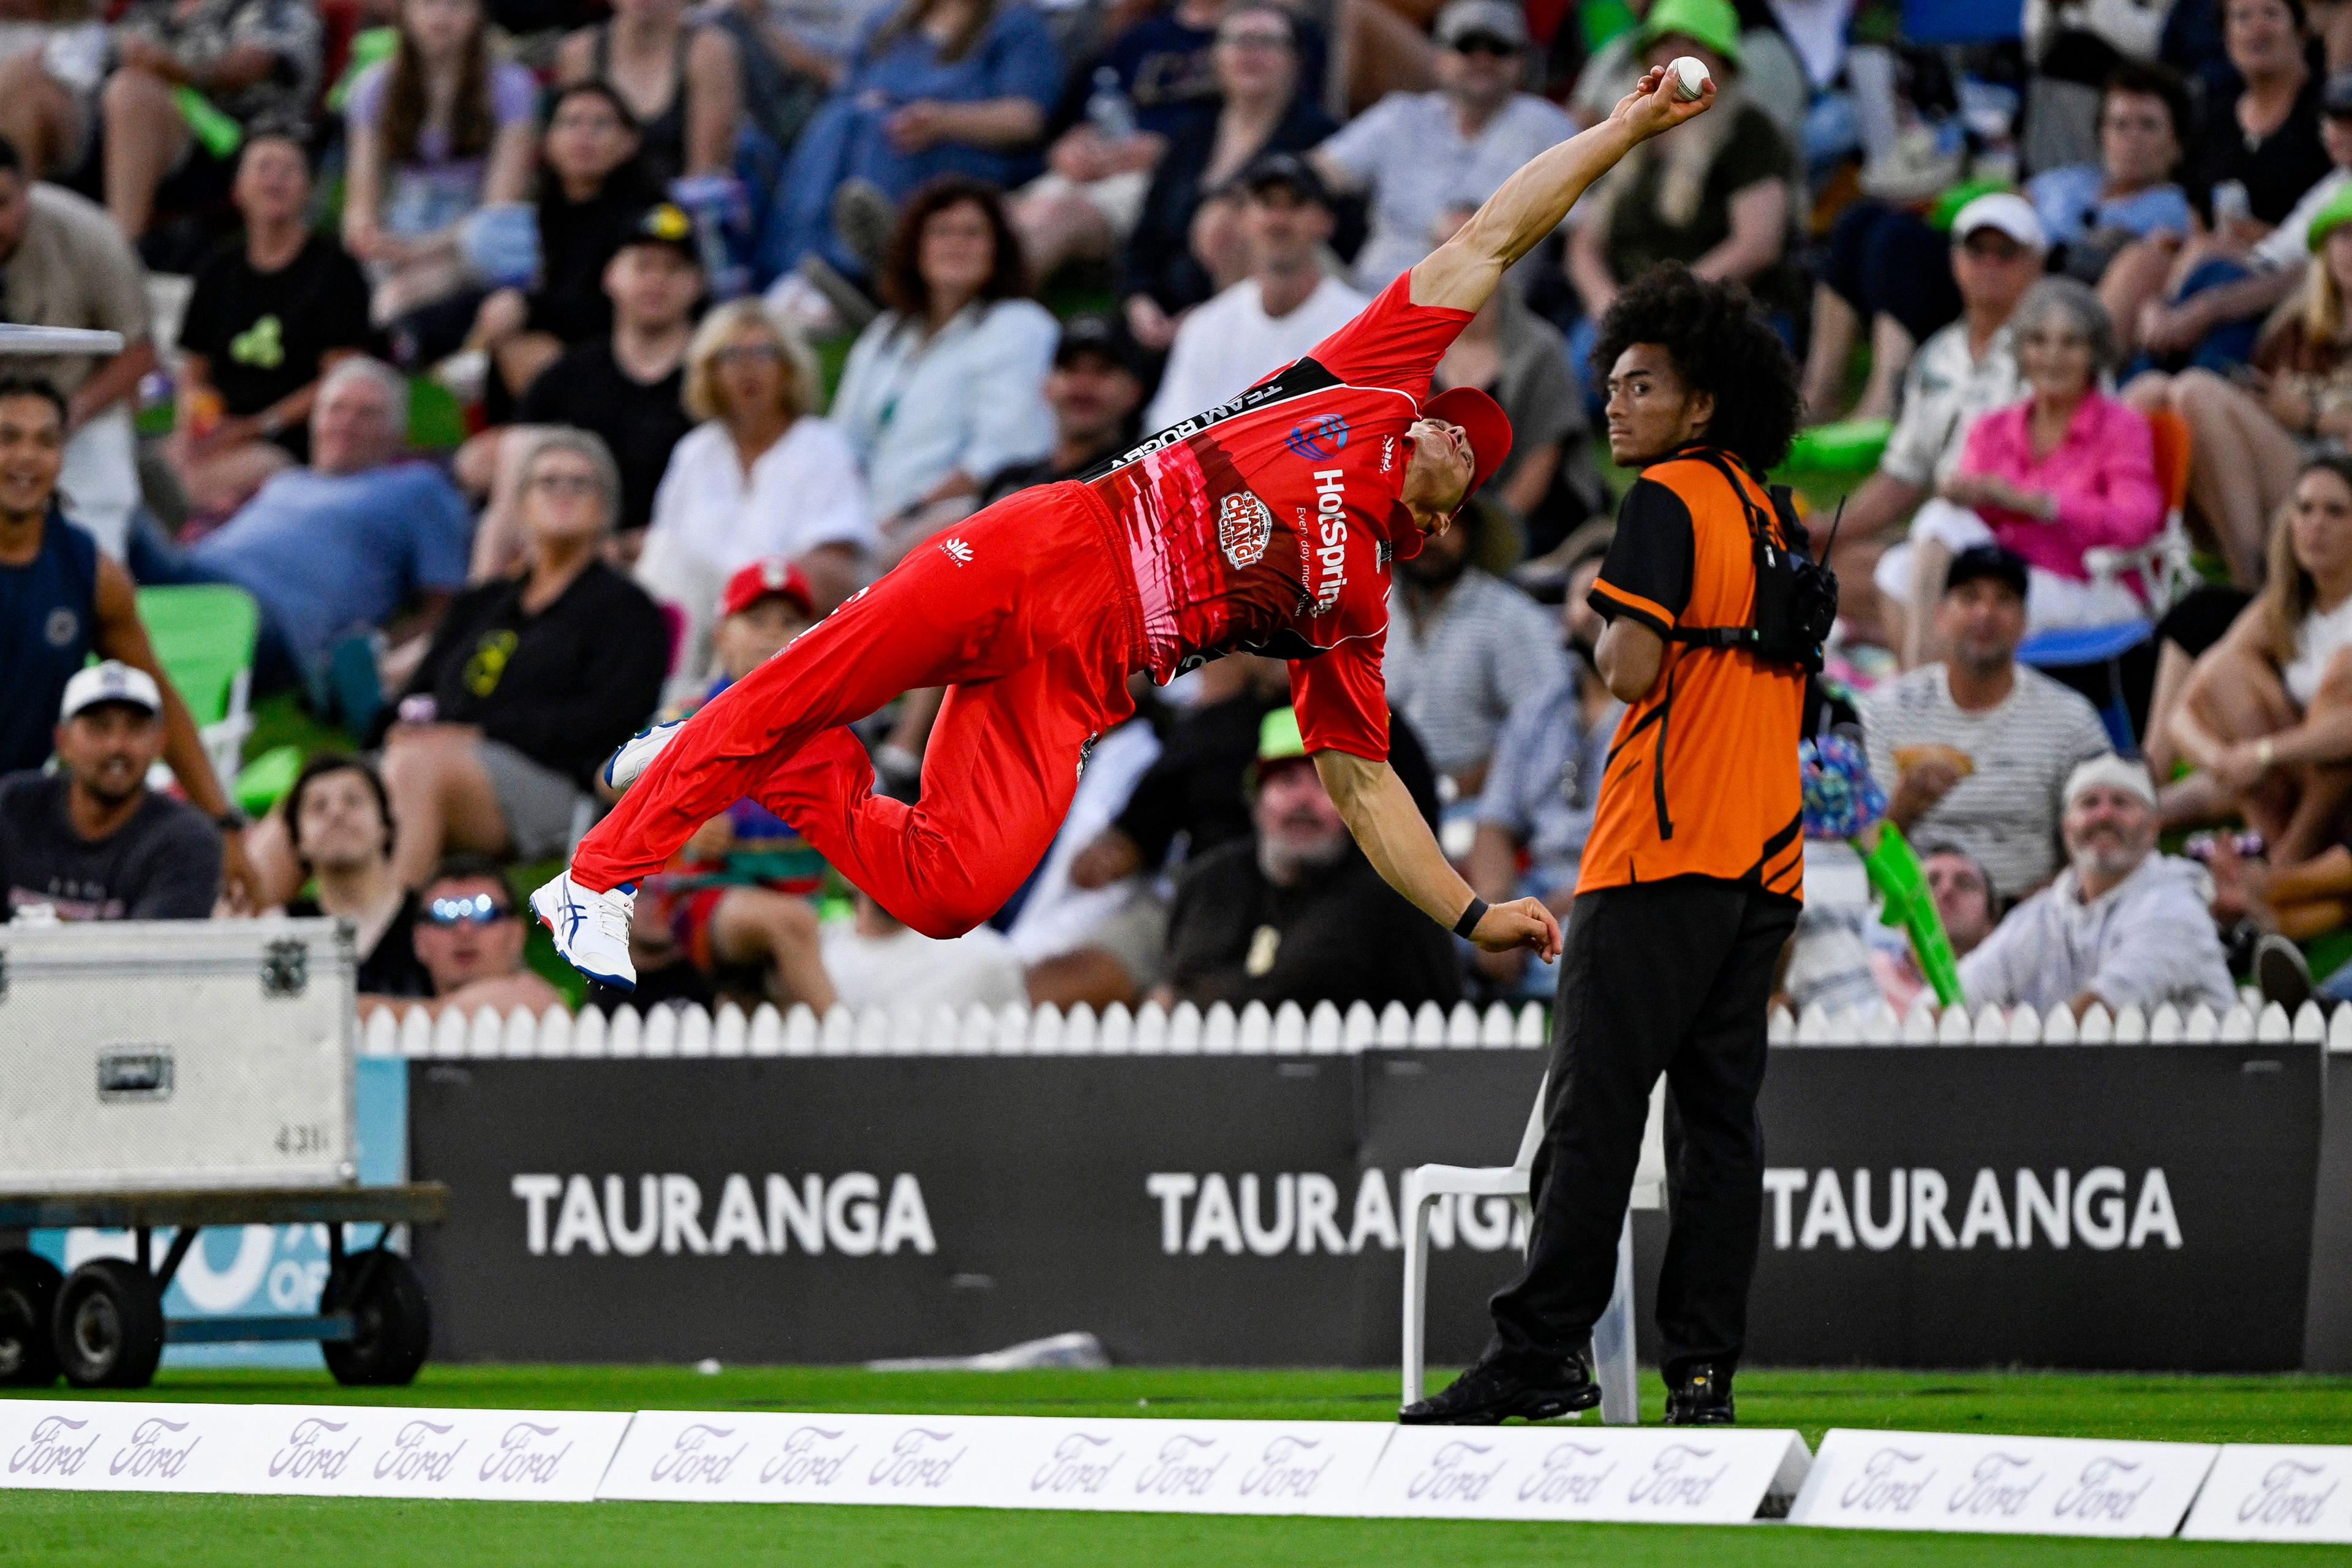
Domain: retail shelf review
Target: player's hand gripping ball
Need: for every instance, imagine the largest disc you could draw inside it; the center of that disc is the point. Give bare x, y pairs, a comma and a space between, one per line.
1689, 77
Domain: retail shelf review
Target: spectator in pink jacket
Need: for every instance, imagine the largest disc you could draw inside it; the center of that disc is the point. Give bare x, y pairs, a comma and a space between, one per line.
2067, 471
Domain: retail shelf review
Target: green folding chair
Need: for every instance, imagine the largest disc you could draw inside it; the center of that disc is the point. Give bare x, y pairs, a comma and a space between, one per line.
203, 636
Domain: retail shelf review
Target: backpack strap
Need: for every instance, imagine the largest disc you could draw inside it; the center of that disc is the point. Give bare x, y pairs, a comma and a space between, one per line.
1760, 535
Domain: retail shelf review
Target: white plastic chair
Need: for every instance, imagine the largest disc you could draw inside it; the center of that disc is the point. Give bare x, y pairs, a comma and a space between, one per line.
1612, 1336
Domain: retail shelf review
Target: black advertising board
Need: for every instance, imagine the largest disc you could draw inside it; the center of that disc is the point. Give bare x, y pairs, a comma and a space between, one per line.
2327, 1333
1243, 1210
2179, 1178
1019, 1187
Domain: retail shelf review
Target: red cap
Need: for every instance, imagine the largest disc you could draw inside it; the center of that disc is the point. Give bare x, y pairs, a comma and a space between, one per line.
771, 574
1483, 418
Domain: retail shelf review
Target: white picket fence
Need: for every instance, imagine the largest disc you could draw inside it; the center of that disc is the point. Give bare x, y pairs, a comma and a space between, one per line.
1254, 1030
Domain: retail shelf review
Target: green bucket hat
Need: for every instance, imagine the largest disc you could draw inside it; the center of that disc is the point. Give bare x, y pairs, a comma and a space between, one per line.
1713, 23
1278, 740
2328, 217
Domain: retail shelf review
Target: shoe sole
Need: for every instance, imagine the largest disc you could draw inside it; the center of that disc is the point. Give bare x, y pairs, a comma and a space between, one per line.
1527, 1408
614, 980
2279, 977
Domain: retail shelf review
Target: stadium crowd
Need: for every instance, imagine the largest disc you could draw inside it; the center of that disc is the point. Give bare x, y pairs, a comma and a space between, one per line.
541, 366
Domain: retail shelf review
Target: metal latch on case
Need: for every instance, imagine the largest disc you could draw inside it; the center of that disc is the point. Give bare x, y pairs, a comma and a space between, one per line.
285, 967
135, 1072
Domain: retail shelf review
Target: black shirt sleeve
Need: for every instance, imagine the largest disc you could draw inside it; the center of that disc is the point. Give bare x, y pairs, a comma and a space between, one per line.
1647, 573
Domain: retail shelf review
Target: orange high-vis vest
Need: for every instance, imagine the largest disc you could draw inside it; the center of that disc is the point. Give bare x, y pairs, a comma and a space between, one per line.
1702, 773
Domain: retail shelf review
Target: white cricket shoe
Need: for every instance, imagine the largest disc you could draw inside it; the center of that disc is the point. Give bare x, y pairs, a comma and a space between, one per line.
638, 753
591, 930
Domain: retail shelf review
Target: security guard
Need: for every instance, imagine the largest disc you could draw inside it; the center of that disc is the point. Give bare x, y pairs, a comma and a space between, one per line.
1691, 879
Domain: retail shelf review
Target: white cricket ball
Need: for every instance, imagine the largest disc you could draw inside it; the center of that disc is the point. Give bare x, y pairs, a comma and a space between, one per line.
1690, 77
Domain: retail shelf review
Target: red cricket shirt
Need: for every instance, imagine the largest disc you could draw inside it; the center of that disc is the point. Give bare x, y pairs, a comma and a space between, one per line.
1266, 524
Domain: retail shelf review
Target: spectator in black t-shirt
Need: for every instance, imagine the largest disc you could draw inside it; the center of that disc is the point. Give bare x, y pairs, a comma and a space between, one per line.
270, 313
628, 388
1095, 389
338, 823
532, 680
93, 842
592, 189
1295, 912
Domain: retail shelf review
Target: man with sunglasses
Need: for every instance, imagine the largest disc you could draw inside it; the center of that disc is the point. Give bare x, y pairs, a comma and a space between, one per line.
469, 939
1266, 524
1419, 154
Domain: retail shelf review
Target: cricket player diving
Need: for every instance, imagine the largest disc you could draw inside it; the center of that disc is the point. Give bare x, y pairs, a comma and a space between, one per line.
1223, 533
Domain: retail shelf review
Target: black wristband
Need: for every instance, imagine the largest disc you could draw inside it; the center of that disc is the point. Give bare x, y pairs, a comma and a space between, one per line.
1470, 917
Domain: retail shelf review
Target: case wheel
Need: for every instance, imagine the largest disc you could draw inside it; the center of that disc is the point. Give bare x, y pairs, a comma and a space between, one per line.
28, 1304
392, 1326
110, 1325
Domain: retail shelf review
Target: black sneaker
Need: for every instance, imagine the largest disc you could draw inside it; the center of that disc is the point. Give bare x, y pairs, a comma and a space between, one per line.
2282, 972
1492, 1392
1701, 1396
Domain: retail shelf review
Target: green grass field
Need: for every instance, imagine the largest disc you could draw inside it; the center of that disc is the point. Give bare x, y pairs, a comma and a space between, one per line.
120, 1532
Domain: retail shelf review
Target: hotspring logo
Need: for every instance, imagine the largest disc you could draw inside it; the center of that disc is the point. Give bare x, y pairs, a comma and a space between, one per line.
847, 1214
2101, 1209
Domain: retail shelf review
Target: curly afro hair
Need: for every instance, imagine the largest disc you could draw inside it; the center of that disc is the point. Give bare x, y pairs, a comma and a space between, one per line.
1720, 346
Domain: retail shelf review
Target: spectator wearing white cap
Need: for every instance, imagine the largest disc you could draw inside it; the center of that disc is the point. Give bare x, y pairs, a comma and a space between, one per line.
1967, 369
2123, 925
92, 842
1419, 154
1885, 271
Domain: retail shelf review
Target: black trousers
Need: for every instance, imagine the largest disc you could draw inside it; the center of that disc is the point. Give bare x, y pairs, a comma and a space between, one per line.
1670, 977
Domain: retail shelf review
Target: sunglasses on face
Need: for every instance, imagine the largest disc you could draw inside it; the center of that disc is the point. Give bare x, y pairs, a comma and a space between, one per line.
482, 909
564, 484
1486, 43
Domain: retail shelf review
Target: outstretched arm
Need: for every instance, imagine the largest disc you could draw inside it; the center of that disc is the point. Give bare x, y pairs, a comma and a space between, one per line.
1396, 840
1461, 273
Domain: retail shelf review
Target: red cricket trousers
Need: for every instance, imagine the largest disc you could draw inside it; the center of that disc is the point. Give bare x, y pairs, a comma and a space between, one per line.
1027, 612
